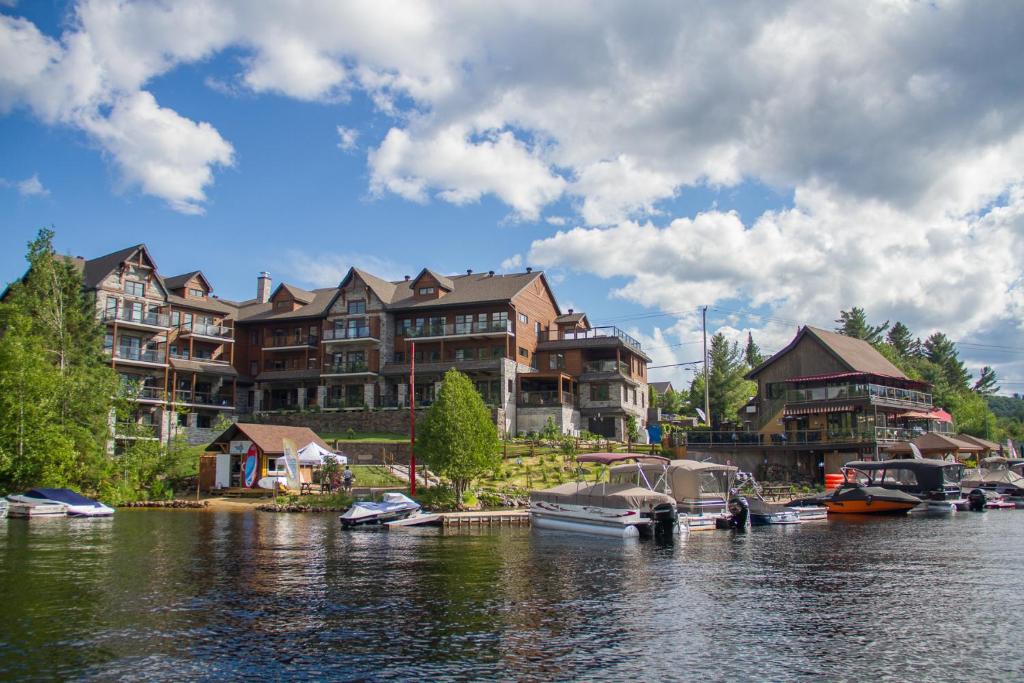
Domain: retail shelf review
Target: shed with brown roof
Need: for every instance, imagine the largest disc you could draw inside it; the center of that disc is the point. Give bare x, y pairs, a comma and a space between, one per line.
269, 439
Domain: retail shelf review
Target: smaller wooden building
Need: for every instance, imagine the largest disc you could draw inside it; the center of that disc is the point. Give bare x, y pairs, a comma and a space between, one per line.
222, 466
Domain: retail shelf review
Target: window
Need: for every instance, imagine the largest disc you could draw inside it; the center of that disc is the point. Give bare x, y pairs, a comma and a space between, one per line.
404, 326
599, 392
111, 307
254, 337
426, 290
175, 318
497, 352
187, 318
182, 419
174, 349
134, 288
204, 421
314, 331
254, 368
536, 329
465, 354
463, 324
311, 363
556, 361
399, 356
197, 293
523, 319
499, 317
523, 352
357, 307
108, 341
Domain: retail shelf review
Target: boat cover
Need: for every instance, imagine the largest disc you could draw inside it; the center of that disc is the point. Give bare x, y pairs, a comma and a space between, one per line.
61, 496
876, 492
993, 478
625, 496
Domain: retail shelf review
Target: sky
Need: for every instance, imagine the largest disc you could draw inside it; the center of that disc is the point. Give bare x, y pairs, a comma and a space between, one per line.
776, 162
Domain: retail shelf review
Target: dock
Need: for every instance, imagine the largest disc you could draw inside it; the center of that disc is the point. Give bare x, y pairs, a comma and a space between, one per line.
466, 519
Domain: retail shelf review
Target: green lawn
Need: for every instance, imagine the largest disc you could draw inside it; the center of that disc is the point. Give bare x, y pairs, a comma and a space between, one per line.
374, 476
365, 436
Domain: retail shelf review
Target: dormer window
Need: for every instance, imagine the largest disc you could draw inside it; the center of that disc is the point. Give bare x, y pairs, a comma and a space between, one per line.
356, 307
196, 293
427, 290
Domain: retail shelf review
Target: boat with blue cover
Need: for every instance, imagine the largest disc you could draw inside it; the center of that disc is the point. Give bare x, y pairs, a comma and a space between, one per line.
43, 502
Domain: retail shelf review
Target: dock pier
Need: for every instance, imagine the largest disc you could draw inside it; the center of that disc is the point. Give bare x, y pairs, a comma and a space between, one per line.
448, 520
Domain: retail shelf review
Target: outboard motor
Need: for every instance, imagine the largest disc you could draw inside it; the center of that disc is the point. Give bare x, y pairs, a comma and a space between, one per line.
739, 513
666, 519
976, 500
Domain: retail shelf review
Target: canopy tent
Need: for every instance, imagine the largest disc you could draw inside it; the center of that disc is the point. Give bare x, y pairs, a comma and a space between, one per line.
313, 454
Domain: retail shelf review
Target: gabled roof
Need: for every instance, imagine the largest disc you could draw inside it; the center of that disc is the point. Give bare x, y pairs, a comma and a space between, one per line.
268, 438
303, 296
661, 387
96, 269
978, 441
179, 281
572, 317
317, 306
856, 355
443, 281
384, 290
469, 289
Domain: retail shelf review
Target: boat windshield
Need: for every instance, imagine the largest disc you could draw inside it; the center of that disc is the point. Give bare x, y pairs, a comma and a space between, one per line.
952, 474
897, 475
716, 483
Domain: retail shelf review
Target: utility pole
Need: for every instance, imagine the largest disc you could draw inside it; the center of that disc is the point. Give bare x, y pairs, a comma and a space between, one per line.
412, 418
707, 400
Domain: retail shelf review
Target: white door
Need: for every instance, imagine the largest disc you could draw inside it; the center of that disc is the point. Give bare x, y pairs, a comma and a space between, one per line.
223, 476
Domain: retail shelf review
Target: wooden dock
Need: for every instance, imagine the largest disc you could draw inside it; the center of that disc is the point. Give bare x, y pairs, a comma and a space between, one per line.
449, 520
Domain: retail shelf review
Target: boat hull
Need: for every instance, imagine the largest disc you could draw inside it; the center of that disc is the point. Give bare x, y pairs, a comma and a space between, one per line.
771, 518
32, 510
868, 507
376, 518
811, 514
580, 526
600, 521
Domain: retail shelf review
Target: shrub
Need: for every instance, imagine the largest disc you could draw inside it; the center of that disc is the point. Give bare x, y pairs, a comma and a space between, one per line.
438, 498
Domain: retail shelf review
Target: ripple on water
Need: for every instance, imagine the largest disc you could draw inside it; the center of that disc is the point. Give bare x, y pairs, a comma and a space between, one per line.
157, 595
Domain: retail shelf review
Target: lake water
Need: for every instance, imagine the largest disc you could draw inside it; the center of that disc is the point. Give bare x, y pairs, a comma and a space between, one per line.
180, 595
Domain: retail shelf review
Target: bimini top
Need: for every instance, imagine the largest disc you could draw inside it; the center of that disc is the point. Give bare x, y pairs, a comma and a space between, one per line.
611, 458
66, 496
915, 464
625, 496
699, 466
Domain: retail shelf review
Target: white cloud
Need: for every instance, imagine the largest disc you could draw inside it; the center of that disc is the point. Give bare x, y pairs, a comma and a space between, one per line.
512, 263
556, 220
32, 187
347, 138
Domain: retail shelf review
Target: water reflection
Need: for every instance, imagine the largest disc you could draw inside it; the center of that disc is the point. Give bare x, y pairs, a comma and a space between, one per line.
172, 594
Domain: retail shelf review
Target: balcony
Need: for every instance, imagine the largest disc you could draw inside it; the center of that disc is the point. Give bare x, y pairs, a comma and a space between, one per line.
544, 399
220, 360
218, 333
596, 366
458, 330
149, 395
135, 430
291, 342
607, 332
349, 334
347, 368
874, 393
145, 357
805, 437
143, 320
204, 399
390, 401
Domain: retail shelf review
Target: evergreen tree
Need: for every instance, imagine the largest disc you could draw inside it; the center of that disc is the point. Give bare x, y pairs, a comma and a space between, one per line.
938, 349
728, 391
458, 439
854, 323
901, 340
752, 353
986, 384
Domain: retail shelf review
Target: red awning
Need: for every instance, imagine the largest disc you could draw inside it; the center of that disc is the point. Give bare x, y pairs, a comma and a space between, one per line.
815, 410
917, 415
940, 415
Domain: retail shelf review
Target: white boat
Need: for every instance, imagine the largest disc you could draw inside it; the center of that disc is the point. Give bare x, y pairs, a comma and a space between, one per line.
393, 506
622, 509
73, 504
700, 489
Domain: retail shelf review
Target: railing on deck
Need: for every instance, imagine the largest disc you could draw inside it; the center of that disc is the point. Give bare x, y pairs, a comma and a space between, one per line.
544, 398
457, 329
129, 315
598, 333
343, 333
208, 330
843, 392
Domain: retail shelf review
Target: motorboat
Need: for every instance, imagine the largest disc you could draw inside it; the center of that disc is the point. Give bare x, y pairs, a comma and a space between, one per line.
44, 501
700, 489
866, 500
811, 508
392, 507
997, 474
624, 507
763, 513
935, 482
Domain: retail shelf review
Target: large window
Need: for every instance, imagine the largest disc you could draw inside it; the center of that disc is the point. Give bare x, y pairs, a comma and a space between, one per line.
463, 324
599, 392
556, 361
134, 288
356, 307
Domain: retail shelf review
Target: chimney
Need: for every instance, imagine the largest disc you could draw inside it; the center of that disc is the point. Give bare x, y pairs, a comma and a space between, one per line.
570, 311
263, 287
406, 278
490, 273
529, 269
469, 271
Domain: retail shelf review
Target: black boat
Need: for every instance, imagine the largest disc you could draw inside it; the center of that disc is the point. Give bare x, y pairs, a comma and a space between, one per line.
936, 483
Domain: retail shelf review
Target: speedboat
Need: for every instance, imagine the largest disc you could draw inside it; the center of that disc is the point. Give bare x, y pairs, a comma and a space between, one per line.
935, 482
811, 508
41, 502
393, 506
620, 507
866, 500
763, 513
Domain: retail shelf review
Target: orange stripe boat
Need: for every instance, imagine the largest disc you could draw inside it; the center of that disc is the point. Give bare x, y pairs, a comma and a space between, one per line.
853, 499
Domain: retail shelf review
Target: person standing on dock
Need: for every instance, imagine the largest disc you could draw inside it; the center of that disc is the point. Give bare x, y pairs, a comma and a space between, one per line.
347, 477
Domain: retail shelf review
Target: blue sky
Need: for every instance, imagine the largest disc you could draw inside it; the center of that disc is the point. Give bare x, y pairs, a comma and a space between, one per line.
812, 157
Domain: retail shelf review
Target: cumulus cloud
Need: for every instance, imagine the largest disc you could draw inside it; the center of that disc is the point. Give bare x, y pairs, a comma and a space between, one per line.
512, 263
29, 187
327, 269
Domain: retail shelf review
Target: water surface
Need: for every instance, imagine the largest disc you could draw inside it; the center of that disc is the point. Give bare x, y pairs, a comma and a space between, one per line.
162, 595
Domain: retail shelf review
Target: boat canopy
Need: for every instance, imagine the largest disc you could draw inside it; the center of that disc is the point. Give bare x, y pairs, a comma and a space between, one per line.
626, 496
994, 478
926, 473
693, 479
612, 458
66, 496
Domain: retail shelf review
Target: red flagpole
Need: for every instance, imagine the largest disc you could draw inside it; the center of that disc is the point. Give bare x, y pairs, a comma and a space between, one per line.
412, 418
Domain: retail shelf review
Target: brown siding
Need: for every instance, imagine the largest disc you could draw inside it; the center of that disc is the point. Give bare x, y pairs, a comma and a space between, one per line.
535, 301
